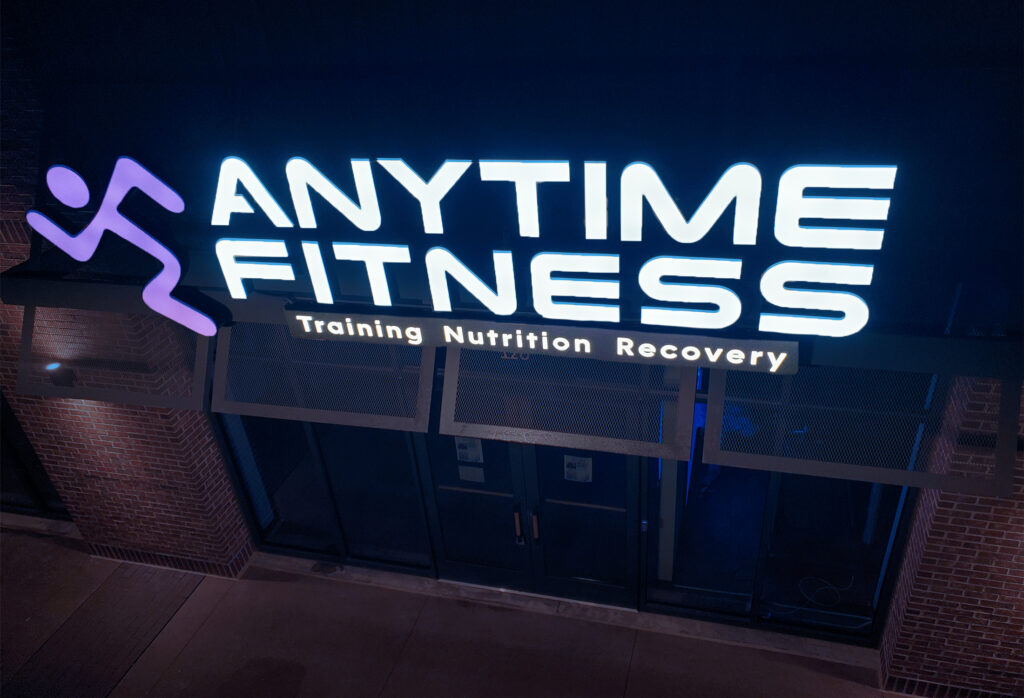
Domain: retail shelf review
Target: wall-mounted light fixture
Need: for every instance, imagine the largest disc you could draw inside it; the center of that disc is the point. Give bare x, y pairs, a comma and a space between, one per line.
61, 375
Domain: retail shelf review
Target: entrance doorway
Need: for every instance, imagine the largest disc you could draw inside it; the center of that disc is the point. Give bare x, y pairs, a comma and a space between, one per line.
544, 519
538, 518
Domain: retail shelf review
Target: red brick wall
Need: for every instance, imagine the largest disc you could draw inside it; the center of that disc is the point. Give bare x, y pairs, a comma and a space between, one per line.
957, 615
142, 483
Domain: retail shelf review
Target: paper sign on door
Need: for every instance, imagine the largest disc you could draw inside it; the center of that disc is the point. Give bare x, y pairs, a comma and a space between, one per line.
469, 450
579, 469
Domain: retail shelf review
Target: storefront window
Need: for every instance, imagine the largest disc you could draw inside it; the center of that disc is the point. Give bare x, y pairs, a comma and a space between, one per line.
826, 546
783, 549
769, 547
376, 491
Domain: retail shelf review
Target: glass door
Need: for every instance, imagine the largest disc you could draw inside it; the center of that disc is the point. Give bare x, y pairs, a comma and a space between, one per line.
478, 510
584, 523
551, 520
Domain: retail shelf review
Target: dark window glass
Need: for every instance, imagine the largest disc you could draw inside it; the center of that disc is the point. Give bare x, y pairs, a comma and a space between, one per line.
376, 488
707, 530
285, 487
827, 544
781, 548
17, 491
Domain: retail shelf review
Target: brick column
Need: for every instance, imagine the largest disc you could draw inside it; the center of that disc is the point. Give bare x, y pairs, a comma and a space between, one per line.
956, 622
142, 484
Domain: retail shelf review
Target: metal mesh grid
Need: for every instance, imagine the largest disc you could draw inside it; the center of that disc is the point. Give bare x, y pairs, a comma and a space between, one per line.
330, 381
122, 357
921, 428
621, 407
835, 415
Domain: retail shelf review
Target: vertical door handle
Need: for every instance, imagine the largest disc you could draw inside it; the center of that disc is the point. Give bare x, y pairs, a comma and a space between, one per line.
519, 524
536, 525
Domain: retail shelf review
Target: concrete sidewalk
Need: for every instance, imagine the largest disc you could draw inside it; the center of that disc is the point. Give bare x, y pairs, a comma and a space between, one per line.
75, 625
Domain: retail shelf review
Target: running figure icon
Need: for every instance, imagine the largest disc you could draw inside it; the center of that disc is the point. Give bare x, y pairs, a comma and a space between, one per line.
71, 190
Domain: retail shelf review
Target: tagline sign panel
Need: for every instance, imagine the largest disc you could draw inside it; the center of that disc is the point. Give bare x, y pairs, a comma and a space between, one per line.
761, 356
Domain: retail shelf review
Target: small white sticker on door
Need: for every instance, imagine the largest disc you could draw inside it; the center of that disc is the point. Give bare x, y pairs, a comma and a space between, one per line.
579, 469
469, 450
471, 473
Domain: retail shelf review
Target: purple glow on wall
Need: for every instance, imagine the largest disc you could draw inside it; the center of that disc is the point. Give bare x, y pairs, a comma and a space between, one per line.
71, 190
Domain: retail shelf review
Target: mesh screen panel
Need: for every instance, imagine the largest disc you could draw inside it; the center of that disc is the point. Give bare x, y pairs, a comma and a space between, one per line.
851, 422
585, 403
120, 357
829, 414
268, 372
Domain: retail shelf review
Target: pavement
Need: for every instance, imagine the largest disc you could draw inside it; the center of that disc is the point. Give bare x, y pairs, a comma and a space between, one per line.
76, 625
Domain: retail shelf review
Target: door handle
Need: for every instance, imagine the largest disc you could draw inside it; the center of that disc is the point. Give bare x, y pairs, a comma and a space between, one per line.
536, 525
518, 523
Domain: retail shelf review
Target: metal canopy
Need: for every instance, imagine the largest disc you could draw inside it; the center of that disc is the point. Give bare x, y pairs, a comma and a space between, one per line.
572, 402
262, 370
538, 398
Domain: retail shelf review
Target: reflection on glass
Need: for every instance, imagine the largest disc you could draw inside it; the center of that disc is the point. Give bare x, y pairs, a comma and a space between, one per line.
780, 548
827, 546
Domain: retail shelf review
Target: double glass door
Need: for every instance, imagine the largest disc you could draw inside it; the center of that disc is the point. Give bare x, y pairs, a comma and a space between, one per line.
545, 519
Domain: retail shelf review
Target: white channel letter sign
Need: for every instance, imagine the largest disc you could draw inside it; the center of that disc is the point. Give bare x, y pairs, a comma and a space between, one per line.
678, 288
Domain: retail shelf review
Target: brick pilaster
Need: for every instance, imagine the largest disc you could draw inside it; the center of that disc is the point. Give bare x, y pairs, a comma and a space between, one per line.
956, 622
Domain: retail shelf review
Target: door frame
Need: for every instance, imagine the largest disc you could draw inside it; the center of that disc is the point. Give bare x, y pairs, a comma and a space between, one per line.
596, 592
467, 572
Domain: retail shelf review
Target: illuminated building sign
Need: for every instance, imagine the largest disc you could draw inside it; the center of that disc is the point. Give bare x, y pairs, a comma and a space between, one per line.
576, 286
814, 209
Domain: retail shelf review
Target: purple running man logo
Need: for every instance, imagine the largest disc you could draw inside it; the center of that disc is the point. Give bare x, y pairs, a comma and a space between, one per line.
71, 190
